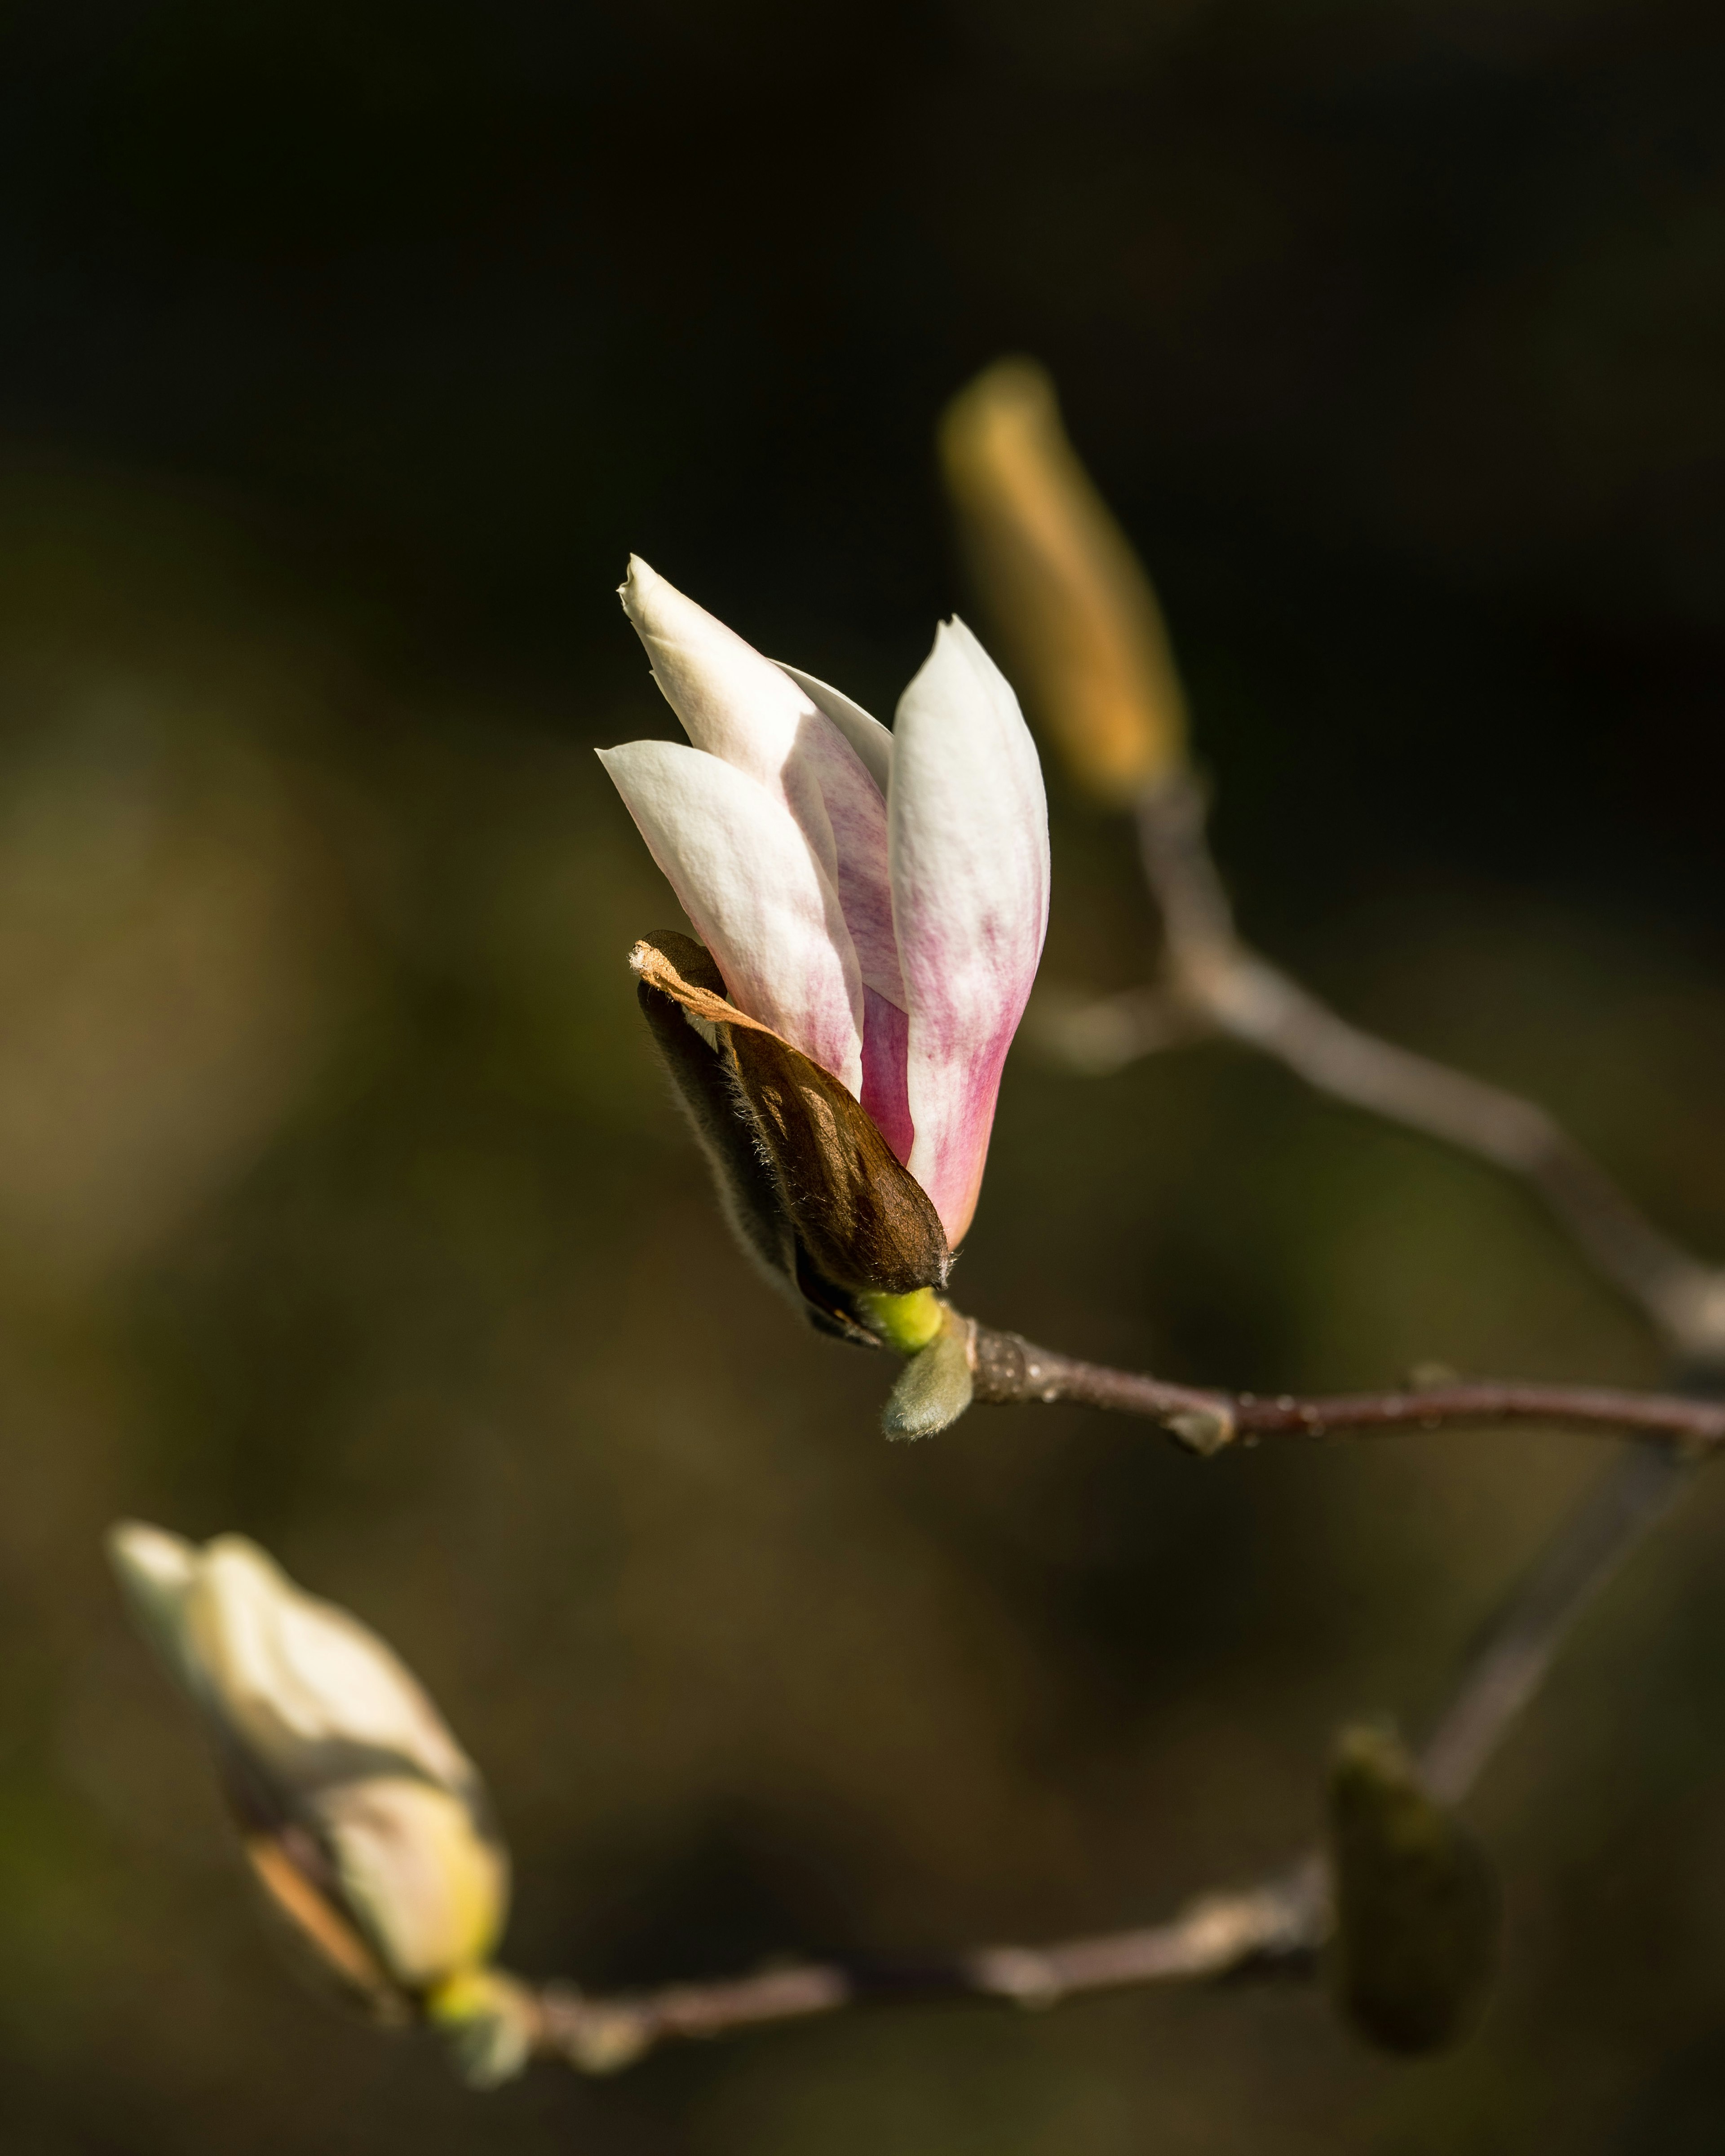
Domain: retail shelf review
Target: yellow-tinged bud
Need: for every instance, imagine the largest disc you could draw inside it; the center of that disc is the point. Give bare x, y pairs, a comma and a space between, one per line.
1069, 596
906, 1323
365, 1826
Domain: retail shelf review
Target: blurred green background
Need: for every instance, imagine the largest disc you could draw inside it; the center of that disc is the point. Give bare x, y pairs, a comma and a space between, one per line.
344, 351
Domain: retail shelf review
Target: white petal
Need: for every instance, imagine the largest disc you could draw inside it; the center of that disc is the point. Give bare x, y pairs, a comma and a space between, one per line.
427, 1889
872, 741
757, 898
758, 718
732, 702
156, 1571
968, 821
302, 1686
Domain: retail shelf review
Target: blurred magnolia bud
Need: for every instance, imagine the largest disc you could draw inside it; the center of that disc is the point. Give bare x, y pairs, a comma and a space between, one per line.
1417, 1906
365, 1826
1067, 594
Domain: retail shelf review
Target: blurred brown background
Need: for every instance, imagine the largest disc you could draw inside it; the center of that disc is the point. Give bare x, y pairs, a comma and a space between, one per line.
344, 351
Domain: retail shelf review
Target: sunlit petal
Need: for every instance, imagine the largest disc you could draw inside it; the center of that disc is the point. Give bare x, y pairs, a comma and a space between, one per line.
747, 880
812, 752
968, 824
872, 741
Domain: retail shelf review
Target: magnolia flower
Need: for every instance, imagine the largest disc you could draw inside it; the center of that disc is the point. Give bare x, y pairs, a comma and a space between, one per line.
878, 900
365, 1823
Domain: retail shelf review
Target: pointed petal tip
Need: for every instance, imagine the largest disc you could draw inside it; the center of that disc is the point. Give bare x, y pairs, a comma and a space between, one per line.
148, 1556
639, 582
956, 635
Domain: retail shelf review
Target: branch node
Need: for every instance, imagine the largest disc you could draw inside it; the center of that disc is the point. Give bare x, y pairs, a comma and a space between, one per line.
1018, 1973
1204, 1431
593, 2035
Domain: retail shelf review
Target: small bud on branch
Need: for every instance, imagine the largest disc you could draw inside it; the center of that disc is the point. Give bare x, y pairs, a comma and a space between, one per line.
1061, 582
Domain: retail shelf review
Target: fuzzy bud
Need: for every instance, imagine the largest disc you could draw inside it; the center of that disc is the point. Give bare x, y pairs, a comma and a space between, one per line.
938, 1382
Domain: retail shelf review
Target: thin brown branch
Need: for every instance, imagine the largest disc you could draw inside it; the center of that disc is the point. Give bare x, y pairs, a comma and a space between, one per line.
1011, 1370
1251, 1002
1279, 1923
1215, 983
1517, 1650
1097, 1034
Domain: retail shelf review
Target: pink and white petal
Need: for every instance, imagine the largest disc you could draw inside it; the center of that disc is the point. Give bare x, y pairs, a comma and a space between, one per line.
856, 816
885, 1037
757, 716
848, 756
733, 703
872, 741
968, 824
743, 872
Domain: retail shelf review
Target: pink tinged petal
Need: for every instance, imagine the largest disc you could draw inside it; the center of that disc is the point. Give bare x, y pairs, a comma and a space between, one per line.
885, 1037
745, 876
968, 822
872, 741
856, 816
760, 719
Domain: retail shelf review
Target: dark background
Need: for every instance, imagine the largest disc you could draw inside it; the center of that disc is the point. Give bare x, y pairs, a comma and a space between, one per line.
344, 353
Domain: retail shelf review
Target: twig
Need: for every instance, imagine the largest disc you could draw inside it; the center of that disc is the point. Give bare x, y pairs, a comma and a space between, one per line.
1278, 1924
1215, 984
1277, 1927
1518, 1648
1226, 987
1010, 1370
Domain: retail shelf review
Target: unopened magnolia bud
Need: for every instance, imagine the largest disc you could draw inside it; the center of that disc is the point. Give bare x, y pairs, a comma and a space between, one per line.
365, 1826
1417, 1907
1067, 592
813, 1189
